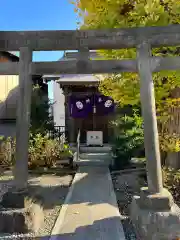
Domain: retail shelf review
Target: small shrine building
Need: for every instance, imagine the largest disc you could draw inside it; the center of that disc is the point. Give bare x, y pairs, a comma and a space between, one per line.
85, 108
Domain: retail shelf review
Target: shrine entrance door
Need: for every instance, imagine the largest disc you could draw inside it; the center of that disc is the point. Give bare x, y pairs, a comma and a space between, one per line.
93, 122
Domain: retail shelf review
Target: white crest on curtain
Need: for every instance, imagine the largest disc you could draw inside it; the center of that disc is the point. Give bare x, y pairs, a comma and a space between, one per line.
79, 105
108, 103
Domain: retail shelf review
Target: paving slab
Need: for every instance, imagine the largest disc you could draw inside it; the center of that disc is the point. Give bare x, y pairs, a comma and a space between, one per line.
90, 211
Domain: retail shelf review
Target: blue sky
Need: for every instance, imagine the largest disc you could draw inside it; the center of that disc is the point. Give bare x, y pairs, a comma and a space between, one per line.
38, 15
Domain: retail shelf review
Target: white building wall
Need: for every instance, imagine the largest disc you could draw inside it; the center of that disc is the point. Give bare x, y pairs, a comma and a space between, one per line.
8, 103
8, 96
58, 106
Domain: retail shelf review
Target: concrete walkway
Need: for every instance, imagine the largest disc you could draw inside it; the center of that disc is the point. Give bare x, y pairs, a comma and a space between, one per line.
90, 211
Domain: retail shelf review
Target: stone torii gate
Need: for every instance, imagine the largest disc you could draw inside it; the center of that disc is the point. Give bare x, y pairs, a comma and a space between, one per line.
148, 210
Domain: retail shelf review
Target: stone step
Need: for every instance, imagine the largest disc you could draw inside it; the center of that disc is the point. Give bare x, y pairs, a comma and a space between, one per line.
92, 149
99, 156
13, 221
94, 162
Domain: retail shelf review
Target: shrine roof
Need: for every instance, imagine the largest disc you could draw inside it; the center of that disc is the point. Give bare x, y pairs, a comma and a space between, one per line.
78, 79
66, 79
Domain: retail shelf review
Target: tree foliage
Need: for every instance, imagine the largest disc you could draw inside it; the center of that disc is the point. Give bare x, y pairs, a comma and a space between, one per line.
124, 88
40, 117
102, 14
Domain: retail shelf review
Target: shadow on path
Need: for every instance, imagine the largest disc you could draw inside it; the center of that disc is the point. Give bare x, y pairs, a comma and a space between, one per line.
100, 230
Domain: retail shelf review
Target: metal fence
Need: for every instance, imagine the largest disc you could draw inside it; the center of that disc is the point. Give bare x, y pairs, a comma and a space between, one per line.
58, 132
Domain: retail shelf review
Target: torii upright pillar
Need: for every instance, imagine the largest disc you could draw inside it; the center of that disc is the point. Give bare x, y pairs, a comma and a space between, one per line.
15, 197
154, 212
151, 138
23, 118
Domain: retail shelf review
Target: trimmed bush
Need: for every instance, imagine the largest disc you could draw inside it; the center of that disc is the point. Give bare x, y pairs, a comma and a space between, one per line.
7, 151
128, 141
43, 152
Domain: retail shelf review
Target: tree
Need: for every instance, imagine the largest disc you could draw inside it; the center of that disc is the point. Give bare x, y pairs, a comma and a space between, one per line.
40, 117
124, 88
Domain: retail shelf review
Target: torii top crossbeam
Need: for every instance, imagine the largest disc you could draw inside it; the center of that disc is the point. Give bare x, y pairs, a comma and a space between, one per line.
92, 39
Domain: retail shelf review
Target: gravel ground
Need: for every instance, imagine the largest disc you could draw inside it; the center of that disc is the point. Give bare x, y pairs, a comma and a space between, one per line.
125, 186
53, 198
5, 183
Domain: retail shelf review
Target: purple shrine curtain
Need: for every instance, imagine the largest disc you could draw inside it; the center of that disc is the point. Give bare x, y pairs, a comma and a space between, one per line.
104, 105
81, 107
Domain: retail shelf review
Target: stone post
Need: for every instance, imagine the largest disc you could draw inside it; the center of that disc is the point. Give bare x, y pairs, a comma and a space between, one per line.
151, 140
23, 118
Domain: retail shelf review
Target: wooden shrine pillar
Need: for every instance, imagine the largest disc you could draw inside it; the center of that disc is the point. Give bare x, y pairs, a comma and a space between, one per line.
69, 121
71, 126
66, 108
23, 118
